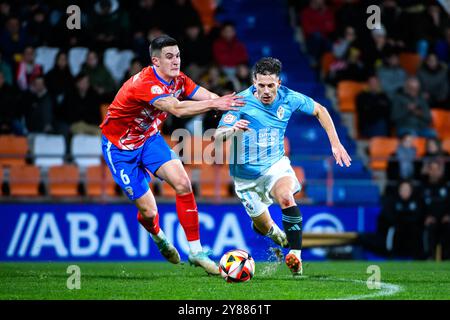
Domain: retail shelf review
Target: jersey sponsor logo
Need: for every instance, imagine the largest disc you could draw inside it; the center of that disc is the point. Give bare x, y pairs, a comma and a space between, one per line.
156, 90
280, 112
229, 118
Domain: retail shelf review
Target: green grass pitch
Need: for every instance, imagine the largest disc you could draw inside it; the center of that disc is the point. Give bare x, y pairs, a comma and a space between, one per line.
151, 280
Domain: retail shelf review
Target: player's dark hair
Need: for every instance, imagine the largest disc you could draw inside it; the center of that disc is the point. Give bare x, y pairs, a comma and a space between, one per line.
267, 66
160, 42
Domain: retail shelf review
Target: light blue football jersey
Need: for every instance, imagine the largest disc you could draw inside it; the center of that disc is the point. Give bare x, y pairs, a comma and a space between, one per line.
254, 151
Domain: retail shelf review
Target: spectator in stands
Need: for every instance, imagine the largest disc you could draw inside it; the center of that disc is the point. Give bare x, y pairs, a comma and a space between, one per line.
403, 215
342, 44
435, 23
147, 15
434, 81
400, 224
39, 108
196, 52
109, 25
352, 68
402, 163
59, 79
442, 47
80, 111
5, 12
390, 15
392, 76
373, 110
27, 69
135, 67
377, 49
411, 24
10, 110
183, 12
228, 51
141, 45
99, 77
39, 29
317, 22
437, 211
13, 39
243, 78
6, 70
410, 112
434, 152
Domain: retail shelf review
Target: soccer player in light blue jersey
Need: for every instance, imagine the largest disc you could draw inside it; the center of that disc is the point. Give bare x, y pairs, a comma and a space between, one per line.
261, 172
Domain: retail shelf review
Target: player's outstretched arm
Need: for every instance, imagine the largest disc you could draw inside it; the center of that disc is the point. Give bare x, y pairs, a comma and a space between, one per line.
229, 102
339, 152
223, 133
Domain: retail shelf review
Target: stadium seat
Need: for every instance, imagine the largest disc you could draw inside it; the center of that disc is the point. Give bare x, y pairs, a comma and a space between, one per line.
63, 181
45, 56
446, 145
327, 59
77, 56
410, 62
441, 121
13, 150
206, 10
380, 148
99, 181
420, 144
86, 150
346, 94
214, 181
48, 150
24, 180
117, 62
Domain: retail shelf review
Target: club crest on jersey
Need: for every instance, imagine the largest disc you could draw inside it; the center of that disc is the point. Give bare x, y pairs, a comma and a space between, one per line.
156, 90
129, 190
280, 112
229, 118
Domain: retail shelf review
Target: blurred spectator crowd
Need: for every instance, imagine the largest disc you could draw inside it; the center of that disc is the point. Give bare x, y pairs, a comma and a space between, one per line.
60, 81
393, 80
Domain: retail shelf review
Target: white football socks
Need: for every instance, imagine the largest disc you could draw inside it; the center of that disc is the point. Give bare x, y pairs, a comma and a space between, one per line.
159, 237
298, 253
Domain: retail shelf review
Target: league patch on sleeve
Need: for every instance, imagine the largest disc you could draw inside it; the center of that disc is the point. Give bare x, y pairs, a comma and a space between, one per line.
156, 90
229, 118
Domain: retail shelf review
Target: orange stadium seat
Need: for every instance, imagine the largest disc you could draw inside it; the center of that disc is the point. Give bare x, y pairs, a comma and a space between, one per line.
441, 121
24, 180
327, 59
380, 148
206, 9
420, 144
63, 180
410, 62
13, 150
99, 181
214, 181
446, 145
300, 173
346, 94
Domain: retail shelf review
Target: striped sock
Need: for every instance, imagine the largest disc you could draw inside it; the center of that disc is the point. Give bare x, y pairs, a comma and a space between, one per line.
292, 224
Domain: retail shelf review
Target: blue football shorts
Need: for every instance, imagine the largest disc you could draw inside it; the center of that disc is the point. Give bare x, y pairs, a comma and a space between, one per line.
129, 167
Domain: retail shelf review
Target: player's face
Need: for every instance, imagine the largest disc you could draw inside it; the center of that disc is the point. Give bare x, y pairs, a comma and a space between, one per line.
266, 87
169, 62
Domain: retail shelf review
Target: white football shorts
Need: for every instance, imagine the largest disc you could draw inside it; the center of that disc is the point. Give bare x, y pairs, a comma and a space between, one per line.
255, 194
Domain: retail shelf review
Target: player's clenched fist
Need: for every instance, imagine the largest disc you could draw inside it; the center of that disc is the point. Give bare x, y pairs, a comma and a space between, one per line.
228, 102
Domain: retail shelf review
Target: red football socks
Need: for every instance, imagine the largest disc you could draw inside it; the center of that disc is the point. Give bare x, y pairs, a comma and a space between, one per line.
151, 225
188, 215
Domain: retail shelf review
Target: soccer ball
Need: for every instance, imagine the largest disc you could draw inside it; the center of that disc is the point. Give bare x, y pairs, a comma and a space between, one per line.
237, 266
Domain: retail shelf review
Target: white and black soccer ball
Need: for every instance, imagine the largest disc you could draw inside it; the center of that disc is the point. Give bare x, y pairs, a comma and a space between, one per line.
237, 266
